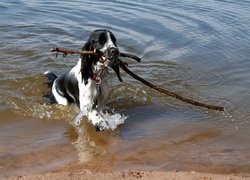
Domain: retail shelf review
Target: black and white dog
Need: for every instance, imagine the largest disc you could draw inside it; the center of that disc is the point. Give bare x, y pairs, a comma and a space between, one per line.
86, 83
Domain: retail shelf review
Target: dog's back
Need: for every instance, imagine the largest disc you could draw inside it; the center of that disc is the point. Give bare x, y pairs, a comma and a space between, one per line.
65, 85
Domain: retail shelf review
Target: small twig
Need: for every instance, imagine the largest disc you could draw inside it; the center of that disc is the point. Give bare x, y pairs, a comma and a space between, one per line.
169, 93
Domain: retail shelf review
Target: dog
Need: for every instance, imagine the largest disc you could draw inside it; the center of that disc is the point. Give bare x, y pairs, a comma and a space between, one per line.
86, 83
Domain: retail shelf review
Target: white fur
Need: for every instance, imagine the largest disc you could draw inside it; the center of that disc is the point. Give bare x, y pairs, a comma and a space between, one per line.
92, 92
59, 99
89, 93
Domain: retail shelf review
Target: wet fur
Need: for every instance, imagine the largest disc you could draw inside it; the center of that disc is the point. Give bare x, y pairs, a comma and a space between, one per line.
78, 85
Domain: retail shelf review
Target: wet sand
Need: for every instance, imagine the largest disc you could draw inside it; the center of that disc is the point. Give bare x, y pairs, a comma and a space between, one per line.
87, 174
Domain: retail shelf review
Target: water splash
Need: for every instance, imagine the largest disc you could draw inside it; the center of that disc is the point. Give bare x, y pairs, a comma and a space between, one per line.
113, 119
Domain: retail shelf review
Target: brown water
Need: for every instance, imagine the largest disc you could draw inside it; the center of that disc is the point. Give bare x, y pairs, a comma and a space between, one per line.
199, 50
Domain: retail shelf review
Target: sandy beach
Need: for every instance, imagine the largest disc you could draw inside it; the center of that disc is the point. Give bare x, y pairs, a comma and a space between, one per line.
88, 175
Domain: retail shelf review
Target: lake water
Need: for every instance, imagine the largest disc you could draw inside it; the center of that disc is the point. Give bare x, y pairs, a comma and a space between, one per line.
197, 49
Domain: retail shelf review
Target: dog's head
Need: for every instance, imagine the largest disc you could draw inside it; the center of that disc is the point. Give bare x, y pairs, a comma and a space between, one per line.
104, 41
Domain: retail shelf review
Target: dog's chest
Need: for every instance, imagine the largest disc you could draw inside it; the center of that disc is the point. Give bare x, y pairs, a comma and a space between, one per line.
100, 71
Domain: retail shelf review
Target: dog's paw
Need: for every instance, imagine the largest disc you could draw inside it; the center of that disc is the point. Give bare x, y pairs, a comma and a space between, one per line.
102, 126
98, 120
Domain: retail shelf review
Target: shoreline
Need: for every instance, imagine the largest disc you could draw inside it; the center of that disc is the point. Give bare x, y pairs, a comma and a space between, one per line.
133, 174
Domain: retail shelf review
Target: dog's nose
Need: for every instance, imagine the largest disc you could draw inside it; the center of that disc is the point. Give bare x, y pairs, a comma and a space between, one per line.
114, 52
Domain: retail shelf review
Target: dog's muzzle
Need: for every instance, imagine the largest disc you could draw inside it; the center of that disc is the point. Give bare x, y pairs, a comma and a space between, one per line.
110, 56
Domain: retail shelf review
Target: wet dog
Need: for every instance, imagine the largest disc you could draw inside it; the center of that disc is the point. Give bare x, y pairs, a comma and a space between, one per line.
86, 83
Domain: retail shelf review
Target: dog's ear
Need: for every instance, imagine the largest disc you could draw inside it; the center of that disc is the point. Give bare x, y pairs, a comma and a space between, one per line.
117, 71
86, 46
86, 69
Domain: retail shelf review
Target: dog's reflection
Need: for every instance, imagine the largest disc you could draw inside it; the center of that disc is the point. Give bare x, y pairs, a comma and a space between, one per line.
90, 143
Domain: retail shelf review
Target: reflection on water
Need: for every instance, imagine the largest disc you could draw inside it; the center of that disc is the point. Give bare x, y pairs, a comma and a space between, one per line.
199, 50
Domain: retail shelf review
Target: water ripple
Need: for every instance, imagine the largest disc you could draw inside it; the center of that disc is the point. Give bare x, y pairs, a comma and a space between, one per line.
199, 50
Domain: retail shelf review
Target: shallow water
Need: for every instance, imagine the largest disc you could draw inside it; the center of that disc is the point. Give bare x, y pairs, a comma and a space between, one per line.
199, 50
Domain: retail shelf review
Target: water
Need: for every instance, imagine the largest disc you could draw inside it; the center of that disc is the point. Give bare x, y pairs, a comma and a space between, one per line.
199, 50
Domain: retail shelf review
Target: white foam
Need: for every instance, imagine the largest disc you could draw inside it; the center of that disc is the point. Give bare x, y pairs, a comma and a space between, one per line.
111, 121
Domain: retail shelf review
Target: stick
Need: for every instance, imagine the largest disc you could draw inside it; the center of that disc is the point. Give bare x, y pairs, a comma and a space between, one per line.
131, 56
65, 51
169, 93
96, 51
123, 66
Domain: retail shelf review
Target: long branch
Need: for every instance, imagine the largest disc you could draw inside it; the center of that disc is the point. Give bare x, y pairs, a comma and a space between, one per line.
56, 49
169, 93
96, 51
123, 66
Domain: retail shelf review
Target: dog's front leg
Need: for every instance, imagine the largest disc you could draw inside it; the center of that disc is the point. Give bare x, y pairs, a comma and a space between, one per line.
88, 96
97, 120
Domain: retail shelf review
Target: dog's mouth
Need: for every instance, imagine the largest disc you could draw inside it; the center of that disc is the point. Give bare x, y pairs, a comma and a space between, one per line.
110, 57
108, 61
